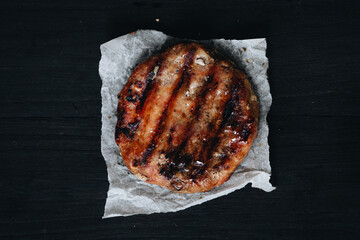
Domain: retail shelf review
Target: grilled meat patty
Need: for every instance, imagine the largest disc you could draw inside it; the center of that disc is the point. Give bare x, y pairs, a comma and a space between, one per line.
186, 119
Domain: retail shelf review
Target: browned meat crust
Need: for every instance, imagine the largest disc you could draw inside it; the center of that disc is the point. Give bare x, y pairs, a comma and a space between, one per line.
186, 119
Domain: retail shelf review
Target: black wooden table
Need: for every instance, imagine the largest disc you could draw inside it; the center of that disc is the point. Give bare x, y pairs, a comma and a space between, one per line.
53, 176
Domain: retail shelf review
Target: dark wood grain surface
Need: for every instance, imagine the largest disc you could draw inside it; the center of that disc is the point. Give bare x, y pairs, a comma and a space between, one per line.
53, 176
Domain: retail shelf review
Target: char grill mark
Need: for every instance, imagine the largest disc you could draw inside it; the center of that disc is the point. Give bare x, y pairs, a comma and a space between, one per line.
226, 117
228, 120
204, 131
185, 104
238, 128
213, 140
129, 130
129, 123
149, 82
154, 103
192, 162
163, 119
177, 162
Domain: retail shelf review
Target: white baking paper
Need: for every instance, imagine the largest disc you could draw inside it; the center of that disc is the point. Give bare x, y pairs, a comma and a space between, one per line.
127, 195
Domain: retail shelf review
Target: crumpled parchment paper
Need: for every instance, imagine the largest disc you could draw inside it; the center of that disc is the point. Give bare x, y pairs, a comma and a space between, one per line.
127, 195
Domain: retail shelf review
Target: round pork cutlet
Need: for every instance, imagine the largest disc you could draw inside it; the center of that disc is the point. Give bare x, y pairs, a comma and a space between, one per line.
186, 119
